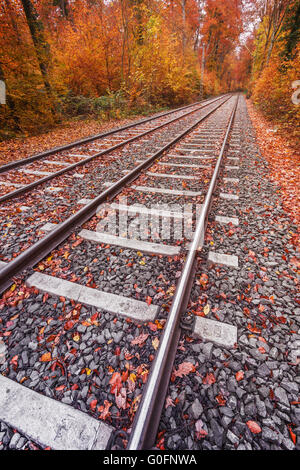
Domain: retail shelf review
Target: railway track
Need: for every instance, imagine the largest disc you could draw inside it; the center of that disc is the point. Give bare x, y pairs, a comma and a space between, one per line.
70, 196
110, 302
198, 151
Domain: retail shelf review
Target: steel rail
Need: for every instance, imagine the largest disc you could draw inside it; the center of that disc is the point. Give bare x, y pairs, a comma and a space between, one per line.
28, 187
41, 248
47, 153
146, 421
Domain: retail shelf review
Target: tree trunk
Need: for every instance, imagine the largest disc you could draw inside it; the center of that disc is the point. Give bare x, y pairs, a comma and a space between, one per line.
42, 48
63, 5
183, 5
202, 71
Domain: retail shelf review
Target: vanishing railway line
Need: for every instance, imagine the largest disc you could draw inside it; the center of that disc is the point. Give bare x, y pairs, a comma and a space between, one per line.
24, 175
117, 275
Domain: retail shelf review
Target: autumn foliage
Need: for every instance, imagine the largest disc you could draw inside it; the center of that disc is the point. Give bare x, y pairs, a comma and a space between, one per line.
110, 58
270, 61
62, 59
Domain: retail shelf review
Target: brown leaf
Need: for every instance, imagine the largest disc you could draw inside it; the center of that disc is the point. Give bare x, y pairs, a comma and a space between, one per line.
139, 340
184, 369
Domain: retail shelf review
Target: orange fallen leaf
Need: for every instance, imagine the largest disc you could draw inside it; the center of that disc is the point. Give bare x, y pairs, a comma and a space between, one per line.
239, 375
46, 357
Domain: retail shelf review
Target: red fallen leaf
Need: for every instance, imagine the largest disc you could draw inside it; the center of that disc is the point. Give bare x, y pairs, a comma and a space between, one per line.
293, 435
262, 350
203, 279
184, 369
254, 329
93, 404
104, 410
58, 364
74, 387
139, 340
281, 319
94, 317
161, 440
209, 379
144, 376
60, 388
14, 361
80, 240
117, 351
115, 382
221, 400
152, 326
148, 300
125, 375
128, 356
239, 375
68, 325
247, 311
262, 339
254, 427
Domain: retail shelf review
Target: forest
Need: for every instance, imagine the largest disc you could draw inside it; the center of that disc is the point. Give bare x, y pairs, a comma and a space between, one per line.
110, 59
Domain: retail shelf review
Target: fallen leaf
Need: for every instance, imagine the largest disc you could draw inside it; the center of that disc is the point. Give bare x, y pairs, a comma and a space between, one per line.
155, 343
239, 375
46, 357
121, 398
254, 427
169, 402
206, 309
115, 382
184, 369
139, 340
209, 379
